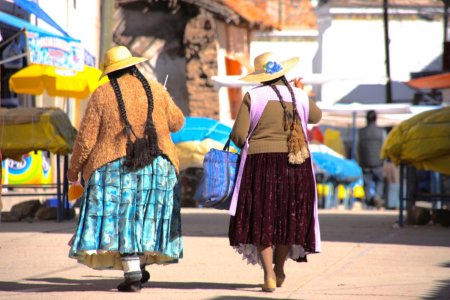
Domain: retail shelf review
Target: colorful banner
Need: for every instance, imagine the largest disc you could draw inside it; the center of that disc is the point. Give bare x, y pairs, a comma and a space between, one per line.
33, 169
55, 51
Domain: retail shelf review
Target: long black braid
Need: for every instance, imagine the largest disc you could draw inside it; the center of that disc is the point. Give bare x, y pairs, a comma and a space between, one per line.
142, 151
298, 151
122, 110
291, 91
150, 129
288, 116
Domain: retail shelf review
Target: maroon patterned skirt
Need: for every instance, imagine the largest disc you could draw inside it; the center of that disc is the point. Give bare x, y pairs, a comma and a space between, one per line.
276, 203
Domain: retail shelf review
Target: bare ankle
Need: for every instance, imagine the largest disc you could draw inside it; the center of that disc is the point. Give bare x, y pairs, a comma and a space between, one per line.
269, 275
279, 271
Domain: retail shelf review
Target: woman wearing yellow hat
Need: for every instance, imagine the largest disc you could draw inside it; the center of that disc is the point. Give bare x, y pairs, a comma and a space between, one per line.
129, 217
274, 205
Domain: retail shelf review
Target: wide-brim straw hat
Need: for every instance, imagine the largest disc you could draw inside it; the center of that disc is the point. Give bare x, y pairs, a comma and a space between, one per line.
118, 58
268, 67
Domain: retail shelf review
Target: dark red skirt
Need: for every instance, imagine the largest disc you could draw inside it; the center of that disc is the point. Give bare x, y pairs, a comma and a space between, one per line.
276, 203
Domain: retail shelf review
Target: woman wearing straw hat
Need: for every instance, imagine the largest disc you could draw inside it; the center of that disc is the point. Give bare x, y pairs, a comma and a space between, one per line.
129, 217
274, 206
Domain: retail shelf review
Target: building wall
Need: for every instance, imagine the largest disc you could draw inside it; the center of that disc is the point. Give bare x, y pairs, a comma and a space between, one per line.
298, 36
232, 59
81, 20
200, 42
289, 13
181, 44
299, 43
157, 35
353, 49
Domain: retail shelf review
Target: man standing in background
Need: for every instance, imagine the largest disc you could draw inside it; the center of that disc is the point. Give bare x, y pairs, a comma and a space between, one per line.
370, 141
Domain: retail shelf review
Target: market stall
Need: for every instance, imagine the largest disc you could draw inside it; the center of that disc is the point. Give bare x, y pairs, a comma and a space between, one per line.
23, 130
420, 143
333, 170
52, 63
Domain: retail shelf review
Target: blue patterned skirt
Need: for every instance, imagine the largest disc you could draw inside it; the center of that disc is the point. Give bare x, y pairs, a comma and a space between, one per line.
129, 212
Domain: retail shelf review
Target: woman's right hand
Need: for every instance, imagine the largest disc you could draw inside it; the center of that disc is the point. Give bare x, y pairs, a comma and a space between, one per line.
297, 82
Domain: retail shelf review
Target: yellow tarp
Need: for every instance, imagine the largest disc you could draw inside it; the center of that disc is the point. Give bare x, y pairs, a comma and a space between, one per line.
192, 153
40, 129
422, 141
35, 79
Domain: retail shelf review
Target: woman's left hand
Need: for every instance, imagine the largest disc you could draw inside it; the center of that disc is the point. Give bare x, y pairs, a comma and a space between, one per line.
72, 177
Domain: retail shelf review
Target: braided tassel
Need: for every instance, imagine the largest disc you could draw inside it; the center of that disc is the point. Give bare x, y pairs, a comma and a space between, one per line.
298, 149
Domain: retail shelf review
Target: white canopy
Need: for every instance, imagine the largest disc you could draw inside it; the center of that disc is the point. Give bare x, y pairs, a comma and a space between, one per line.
354, 114
342, 115
308, 79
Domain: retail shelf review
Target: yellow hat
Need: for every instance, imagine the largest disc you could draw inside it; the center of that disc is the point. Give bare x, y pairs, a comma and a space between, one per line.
268, 67
118, 58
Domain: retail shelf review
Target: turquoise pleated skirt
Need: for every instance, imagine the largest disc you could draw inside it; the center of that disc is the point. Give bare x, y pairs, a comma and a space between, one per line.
129, 212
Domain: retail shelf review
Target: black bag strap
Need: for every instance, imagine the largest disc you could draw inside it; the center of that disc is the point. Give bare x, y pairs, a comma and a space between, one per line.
226, 147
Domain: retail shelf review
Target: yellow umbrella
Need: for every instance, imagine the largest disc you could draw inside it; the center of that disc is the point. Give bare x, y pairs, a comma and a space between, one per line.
57, 82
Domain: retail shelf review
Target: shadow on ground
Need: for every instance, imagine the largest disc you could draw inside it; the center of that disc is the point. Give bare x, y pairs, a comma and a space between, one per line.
338, 227
440, 291
237, 298
45, 285
335, 227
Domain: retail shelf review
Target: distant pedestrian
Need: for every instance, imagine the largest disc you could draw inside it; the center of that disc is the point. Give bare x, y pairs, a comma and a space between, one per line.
275, 215
370, 141
129, 216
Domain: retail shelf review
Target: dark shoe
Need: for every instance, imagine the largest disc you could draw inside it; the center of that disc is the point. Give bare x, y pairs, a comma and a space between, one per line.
145, 276
129, 286
279, 278
132, 282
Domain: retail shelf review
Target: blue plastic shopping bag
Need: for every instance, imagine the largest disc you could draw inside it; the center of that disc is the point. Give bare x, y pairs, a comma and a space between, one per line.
220, 168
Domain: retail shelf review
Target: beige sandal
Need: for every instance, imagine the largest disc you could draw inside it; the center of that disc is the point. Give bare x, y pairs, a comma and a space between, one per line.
269, 285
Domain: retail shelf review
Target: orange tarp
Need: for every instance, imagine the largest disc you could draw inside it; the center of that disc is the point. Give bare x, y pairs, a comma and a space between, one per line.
438, 81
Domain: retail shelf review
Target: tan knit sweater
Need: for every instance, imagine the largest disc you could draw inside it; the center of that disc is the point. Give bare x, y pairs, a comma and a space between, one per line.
269, 135
101, 137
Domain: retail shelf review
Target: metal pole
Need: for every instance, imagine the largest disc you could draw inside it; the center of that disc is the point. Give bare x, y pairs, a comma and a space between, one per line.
59, 209
445, 62
106, 20
65, 188
400, 196
280, 13
386, 49
446, 6
353, 153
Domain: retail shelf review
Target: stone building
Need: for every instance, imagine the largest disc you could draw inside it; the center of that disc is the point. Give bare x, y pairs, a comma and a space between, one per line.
187, 42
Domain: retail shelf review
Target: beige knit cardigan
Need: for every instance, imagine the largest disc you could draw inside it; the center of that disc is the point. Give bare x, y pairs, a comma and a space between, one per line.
101, 137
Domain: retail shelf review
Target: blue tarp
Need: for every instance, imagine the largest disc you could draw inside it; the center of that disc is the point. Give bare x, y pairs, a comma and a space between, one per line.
326, 161
47, 48
334, 167
35, 9
197, 137
20, 23
199, 128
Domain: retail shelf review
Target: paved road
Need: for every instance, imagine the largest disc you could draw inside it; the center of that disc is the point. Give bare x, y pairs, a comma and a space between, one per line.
364, 257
